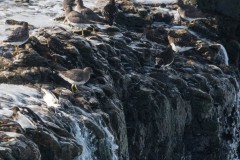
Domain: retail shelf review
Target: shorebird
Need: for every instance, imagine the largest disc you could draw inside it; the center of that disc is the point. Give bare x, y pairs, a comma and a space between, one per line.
19, 36
188, 12
74, 18
165, 58
67, 3
76, 76
15, 110
87, 13
109, 12
181, 40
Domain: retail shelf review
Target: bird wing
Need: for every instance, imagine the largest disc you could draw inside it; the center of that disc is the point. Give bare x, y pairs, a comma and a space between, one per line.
90, 14
110, 10
76, 75
76, 17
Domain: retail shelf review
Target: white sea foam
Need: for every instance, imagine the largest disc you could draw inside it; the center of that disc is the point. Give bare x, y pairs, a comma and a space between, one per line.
39, 102
180, 49
50, 98
222, 51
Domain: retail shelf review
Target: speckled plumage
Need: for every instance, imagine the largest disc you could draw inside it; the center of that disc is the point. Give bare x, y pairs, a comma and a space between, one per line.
110, 11
165, 58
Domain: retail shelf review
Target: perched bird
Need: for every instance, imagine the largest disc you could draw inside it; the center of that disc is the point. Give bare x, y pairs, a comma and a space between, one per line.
15, 110
67, 3
165, 58
19, 36
188, 12
109, 12
146, 30
76, 76
74, 18
86, 12
181, 40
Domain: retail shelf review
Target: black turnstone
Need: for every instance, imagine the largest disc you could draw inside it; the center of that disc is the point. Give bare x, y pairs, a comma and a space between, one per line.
188, 12
19, 36
87, 13
76, 76
165, 58
109, 12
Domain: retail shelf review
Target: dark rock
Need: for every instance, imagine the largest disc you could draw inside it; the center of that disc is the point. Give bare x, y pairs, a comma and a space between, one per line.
157, 35
128, 108
224, 7
132, 21
233, 50
97, 131
162, 17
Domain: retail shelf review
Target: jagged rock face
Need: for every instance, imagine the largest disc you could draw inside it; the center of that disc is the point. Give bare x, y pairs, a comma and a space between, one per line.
227, 8
189, 110
227, 13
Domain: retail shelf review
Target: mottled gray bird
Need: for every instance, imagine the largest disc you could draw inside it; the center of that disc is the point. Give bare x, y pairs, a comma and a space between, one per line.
109, 12
74, 18
87, 13
165, 58
15, 115
188, 12
19, 36
76, 76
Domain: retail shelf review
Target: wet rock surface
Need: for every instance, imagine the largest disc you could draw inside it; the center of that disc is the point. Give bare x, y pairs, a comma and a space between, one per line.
129, 109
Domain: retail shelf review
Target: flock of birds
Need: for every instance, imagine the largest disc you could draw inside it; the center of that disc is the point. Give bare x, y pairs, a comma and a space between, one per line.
77, 17
186, 13
76, 14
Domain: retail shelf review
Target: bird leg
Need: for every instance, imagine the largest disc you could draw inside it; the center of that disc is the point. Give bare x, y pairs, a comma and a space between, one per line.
65, 20
16, 50
74, 88
82, 31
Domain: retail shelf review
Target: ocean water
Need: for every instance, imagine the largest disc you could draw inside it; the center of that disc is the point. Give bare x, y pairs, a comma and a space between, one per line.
40, 102
39, 13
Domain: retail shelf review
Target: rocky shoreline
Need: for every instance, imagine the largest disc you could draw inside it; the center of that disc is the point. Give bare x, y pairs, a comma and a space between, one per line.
129, 109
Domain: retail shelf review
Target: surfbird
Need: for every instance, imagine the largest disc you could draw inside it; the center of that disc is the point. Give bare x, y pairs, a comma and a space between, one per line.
74, 18
188, 12
15, 110
67, 3
165, 58
76, 76
181, 40
19, 36
109, 12
87, 13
